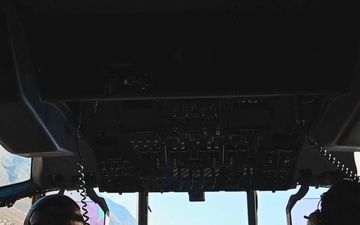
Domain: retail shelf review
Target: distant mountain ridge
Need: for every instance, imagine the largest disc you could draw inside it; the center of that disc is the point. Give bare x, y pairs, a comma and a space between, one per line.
119, 215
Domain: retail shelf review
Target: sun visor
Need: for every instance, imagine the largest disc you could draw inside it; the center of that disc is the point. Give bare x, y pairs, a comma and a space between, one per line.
28, 126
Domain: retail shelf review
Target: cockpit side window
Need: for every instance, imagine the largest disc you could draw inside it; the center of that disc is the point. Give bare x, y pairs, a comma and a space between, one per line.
13, 168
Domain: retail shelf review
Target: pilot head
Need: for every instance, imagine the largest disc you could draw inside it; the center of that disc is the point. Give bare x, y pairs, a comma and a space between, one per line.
340, 205
55, 210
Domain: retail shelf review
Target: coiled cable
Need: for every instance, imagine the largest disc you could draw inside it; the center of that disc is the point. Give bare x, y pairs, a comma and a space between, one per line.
81, 181
335, 162
328, 156
82, 191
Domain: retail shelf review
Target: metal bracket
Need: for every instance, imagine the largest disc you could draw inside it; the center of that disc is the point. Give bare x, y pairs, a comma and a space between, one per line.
293, 199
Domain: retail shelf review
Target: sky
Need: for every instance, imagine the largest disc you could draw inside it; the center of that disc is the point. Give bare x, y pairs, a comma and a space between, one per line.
221, 208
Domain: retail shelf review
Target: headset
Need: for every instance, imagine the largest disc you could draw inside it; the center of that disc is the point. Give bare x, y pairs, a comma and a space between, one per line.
43, 200
341, 199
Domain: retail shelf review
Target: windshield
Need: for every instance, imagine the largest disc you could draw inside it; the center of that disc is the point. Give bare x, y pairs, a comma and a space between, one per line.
219, 207
170, 208
174, 208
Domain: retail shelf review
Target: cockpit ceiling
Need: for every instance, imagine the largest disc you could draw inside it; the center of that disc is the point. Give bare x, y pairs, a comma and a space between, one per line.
128, 6
192, 53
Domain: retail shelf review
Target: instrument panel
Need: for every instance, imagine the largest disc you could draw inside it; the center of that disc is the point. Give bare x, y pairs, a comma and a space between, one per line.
195, 144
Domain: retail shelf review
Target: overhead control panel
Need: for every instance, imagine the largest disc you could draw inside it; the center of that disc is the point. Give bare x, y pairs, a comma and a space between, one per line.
195, 144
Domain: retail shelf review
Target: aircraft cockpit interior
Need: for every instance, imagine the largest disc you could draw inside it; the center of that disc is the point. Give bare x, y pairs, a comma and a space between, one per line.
179, 96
